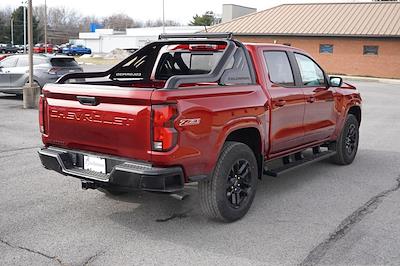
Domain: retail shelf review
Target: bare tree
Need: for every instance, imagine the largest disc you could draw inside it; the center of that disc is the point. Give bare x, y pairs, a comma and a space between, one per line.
120, 22
159, 23
5, 25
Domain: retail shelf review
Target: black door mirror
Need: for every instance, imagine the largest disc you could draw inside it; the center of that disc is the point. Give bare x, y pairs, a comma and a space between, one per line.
335, 81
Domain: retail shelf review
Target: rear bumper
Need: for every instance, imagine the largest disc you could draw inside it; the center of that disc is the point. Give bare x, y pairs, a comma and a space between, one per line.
121, 174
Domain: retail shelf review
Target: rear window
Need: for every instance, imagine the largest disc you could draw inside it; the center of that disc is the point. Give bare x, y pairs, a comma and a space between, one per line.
64, 62
186, 63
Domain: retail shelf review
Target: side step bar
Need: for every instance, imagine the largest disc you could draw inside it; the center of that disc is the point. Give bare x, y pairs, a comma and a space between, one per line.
299, 163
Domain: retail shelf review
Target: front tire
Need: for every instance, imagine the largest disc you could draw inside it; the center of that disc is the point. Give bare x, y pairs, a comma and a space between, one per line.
347, 143
229, 193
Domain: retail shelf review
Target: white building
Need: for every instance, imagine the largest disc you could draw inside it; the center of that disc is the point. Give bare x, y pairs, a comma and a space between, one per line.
106, 40
231, 11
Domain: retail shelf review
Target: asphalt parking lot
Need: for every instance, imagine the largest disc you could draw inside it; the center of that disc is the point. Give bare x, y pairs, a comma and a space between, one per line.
322, 214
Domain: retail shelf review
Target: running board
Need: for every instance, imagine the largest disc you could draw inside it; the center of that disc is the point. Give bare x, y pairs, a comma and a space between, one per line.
299, 163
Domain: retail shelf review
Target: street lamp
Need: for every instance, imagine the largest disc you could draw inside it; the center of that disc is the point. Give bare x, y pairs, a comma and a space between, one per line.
163, 16
45, 26
24, 7
31, 90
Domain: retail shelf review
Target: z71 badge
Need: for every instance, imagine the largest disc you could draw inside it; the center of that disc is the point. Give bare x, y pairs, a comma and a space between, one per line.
189, 122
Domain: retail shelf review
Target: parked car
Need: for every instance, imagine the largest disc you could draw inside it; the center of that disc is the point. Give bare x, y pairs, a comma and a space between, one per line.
62, 46
199, 108
55, 49
2, 56
47, 69
8, 49
76, 50
40, 48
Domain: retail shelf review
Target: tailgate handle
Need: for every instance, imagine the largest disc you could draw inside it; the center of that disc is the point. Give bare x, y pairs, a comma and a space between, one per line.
86, 100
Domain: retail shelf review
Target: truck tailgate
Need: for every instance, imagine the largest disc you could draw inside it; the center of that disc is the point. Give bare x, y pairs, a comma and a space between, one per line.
103, 119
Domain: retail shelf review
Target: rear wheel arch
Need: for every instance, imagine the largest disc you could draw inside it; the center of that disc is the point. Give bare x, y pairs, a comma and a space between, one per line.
251, 137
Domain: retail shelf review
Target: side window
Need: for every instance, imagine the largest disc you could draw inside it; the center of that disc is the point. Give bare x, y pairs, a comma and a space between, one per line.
280, 71
23, 61
39, 61
311, 73
9, 62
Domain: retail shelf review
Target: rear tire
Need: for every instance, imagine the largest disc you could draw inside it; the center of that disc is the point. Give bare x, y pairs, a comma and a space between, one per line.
347, 143
229, 193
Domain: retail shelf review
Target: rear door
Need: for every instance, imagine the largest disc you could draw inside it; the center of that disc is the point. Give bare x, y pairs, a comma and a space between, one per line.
7, 65
288, 101
320, 116
19, 74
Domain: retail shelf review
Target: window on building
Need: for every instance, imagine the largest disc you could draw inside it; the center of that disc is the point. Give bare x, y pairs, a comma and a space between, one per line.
326, 48
370, 50
311, 73
278, 65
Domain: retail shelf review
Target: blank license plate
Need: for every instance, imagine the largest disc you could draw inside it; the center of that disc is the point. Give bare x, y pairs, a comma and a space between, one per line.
95, 164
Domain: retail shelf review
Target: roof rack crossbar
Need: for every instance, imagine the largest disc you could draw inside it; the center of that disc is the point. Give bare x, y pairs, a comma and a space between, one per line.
218, 35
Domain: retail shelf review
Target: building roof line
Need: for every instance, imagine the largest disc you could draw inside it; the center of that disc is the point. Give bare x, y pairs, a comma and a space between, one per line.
358, 19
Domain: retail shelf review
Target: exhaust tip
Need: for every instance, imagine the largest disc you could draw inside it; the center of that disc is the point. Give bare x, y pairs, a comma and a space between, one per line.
179, 196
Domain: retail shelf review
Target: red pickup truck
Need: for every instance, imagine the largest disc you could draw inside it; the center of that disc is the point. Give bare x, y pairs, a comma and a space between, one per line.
200, 108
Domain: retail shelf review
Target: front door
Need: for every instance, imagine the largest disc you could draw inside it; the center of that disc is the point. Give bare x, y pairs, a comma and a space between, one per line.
319, 116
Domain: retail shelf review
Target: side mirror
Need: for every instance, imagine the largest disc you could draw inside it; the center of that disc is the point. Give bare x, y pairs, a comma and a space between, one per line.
335, 81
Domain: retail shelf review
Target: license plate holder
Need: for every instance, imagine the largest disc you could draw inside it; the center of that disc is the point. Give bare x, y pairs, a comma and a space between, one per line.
93, 163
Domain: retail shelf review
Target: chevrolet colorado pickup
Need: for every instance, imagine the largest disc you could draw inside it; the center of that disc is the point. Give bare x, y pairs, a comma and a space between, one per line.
200, 108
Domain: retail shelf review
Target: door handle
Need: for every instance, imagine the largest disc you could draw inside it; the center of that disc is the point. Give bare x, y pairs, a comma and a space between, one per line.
87, 100
280, 103
311, 99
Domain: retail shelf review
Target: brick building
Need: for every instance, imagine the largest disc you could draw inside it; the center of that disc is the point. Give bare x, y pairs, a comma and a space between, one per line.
346, 38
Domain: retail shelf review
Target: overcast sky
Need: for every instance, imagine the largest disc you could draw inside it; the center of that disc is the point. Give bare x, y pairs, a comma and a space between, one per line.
181, 11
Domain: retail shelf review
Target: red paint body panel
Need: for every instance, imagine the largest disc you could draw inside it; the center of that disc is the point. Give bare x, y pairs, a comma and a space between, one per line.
121, 123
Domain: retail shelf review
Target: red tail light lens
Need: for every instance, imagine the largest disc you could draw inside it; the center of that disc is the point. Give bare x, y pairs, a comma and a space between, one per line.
164, 134
42, 105
53, 71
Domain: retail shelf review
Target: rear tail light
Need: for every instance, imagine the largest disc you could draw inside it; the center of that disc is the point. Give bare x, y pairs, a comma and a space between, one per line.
197, 47
42, 106
206, 47
53, 71
165, 135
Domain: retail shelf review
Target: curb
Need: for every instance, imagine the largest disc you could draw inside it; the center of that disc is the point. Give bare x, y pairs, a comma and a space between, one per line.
368, 79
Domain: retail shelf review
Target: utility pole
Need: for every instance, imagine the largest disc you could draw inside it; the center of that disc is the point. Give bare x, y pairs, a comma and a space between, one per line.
12, 31
31, 90
45, 26
24, 6
163, 16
